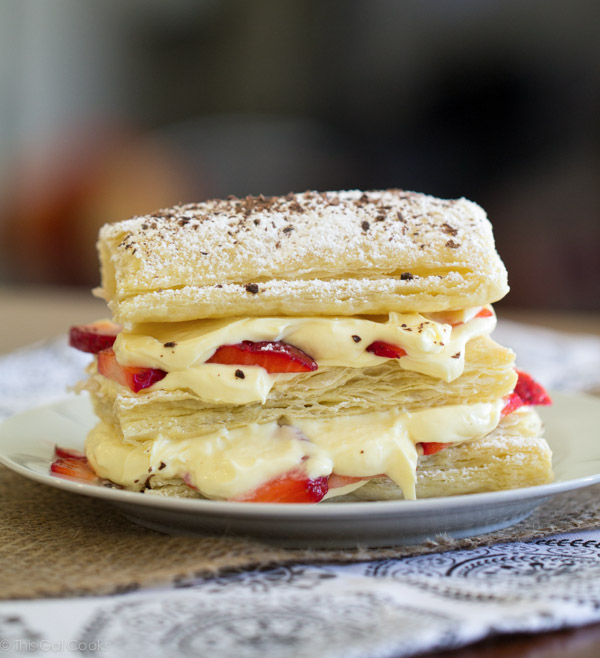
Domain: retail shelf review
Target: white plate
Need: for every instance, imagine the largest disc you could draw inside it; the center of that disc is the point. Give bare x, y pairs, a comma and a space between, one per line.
572, 429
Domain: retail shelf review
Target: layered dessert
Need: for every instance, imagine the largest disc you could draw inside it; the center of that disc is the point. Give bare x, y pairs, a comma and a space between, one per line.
307, 348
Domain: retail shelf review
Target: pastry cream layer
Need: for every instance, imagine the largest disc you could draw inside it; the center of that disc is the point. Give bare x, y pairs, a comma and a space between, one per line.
229, 463
433, 347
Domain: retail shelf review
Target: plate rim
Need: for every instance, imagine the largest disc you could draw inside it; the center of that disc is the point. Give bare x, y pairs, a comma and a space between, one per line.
287, 510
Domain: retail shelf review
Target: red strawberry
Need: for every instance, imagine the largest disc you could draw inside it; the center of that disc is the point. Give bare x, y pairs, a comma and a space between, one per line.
484, 313
68, 453
512, 403
73, 468
530, 391
94, 337
387, 350
431, 447
335, 481
273, 356
527, 392
134, 377
292, 487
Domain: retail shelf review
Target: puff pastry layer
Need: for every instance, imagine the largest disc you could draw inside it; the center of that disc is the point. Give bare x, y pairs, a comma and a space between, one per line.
336, 253
514, 455
489, 375
511, 456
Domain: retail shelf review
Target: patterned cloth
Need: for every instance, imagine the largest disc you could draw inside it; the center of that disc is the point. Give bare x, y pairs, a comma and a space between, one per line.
385, 608
392, 608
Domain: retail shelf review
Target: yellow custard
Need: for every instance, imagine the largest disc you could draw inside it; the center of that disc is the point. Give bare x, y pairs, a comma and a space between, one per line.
229, 463
433, 347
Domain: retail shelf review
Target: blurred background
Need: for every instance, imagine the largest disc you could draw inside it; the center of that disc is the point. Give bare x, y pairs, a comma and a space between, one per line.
115, 108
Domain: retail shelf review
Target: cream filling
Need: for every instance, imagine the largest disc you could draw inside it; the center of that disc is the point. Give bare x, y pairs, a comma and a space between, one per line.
230, 463
432, 347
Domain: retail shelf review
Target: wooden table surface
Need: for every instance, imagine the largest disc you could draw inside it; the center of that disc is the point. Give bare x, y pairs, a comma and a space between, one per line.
31, 314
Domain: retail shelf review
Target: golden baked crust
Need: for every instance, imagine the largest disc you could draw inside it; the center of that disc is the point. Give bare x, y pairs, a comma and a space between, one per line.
336, 253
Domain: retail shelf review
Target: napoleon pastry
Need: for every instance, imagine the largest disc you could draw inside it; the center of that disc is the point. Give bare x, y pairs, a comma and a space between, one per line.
308, 347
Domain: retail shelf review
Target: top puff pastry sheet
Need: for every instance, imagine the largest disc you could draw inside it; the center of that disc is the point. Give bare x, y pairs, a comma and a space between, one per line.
332, 253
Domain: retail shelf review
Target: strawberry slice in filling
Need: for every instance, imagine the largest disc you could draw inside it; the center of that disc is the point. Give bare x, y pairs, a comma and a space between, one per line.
292, 487
133, 377
273, 356
530, 391
484, 313
387, 350
527, 392
337, 481
94, 337
512, 402
431, 447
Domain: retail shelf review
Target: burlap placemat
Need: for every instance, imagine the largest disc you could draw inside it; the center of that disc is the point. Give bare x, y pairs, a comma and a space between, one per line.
53, 543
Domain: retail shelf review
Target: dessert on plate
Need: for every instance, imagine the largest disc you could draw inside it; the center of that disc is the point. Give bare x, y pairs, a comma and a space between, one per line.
309, 347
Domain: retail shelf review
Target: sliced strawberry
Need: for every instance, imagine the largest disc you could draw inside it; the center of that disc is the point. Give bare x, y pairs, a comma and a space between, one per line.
187, 478
336, 481
527, 392
387, 350
73, 468
431, 447
94, 337
134, 377
530, 391
273, 356
68, 453
292, 487
484, 313
512, 403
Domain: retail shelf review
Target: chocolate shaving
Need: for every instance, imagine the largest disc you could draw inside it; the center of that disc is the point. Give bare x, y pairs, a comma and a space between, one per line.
240, 374
450, 230
406, 276
252, 287
452, 245
171, 343
356, 338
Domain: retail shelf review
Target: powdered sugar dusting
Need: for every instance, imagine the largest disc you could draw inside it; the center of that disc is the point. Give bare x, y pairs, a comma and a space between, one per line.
319, 237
